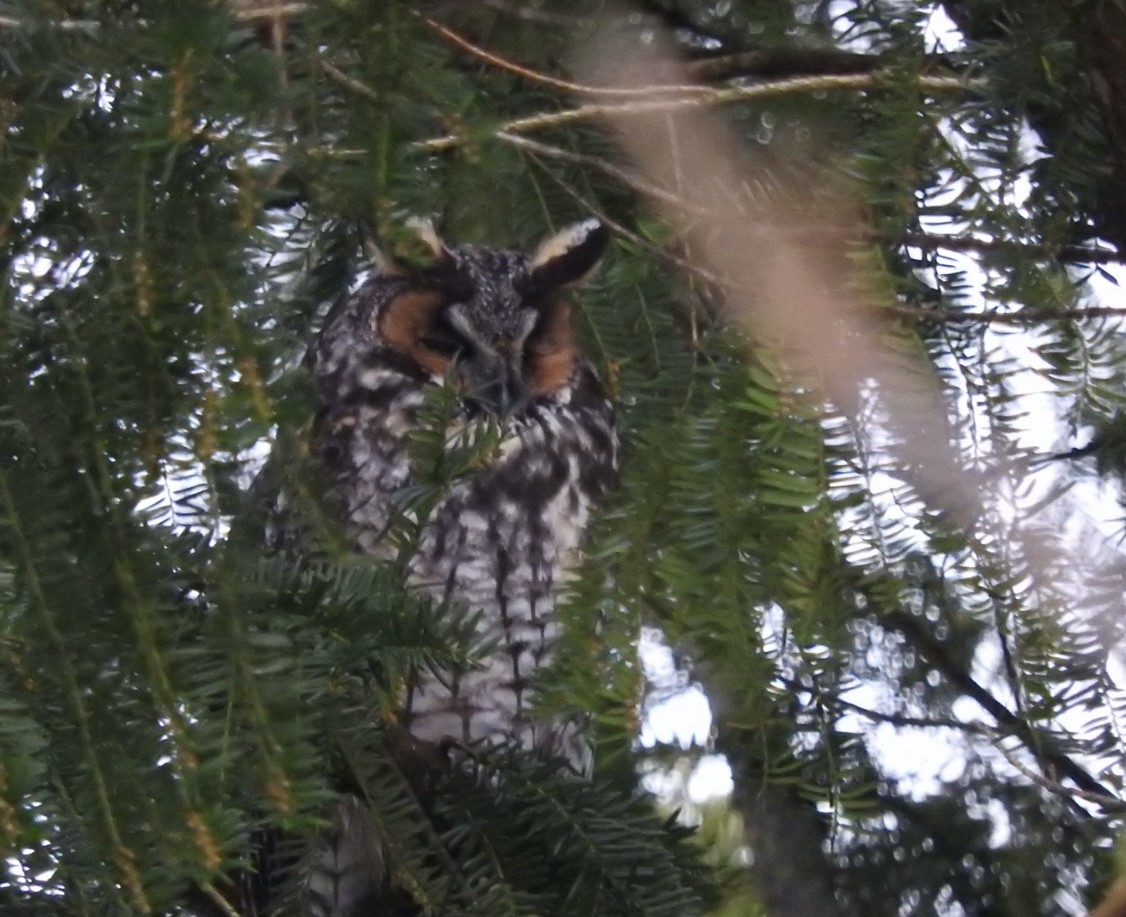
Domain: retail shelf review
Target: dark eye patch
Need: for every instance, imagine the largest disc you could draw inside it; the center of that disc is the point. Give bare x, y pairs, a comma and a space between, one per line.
441, 338
453, 284
447, 347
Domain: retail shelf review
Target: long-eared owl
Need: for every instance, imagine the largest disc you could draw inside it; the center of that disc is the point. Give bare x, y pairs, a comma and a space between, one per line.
495, 326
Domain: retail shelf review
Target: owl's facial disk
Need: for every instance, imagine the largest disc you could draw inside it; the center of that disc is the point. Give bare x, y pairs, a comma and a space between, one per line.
498, 359
490, 369
497, 324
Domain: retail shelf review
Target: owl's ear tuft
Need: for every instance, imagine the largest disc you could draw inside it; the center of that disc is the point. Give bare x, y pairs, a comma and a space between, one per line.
407, 250
383, 262
425, 233
568, 257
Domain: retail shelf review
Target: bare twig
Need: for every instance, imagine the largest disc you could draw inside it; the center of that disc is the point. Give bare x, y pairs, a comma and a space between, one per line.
63, 25
214, 897
267, 11
708, 96
341, 78
262, 12
1107, 803
627, 178
645, 102
504, 63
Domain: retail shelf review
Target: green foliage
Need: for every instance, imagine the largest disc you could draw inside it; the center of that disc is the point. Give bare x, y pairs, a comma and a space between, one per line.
181, 189
545, 842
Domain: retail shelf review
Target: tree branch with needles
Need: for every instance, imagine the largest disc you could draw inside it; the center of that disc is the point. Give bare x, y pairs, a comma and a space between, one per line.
1041, 745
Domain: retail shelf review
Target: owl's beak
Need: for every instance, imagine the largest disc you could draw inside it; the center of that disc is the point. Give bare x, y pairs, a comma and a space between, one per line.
491, 372
494, 382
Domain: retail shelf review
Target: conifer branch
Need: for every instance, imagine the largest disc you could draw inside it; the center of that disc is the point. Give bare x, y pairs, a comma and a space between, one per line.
671, 257
709, 96
916, 722
123, 856
139, 611
1077, 254
1041, 745
1021, 317
1069, 253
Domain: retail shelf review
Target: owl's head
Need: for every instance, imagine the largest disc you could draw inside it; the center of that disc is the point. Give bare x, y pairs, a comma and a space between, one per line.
494, 323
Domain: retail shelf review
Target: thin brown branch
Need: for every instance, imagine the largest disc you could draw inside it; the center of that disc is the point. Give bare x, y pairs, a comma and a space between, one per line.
1107, 803
63, 25
215, 898
630, 179
761, 63
341, 78
708, 96
261, 12
266, 12
536, 76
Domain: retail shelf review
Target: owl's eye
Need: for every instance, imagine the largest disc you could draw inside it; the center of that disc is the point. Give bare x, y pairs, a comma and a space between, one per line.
440, 337
441, 342
456, 286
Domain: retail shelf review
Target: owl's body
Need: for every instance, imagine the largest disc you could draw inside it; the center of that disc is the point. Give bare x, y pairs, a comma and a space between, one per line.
495, 326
